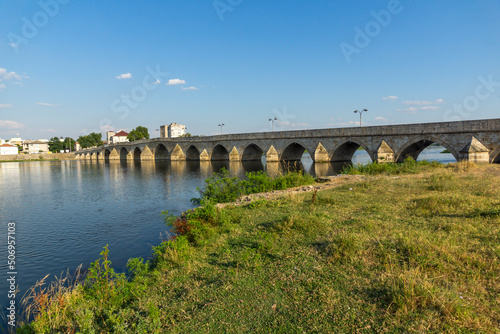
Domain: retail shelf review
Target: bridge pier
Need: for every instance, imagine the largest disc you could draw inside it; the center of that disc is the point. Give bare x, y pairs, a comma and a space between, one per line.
321, 154
204, 155
147, 155
384, 153
475, 152
114, 155
272, 155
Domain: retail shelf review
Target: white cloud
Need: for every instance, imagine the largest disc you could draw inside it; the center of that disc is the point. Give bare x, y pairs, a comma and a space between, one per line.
380, 119
5, 75
124, 76
422, 103
11, 124
157, 82
411, 110
48, 130
173, 82
390, 97
106, 128
4, 106
47, 104
2, 87
415, 105
291, 125
189, 88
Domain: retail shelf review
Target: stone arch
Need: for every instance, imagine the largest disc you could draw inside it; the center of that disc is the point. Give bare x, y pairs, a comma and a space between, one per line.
345, 151
414, 147
495, 156
107, 153
192, 153
220, 153
123, 153
294, 151
137, 153
252, 152
161, 152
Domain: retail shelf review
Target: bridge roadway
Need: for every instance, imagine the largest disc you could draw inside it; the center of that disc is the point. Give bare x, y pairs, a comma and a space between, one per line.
476, 141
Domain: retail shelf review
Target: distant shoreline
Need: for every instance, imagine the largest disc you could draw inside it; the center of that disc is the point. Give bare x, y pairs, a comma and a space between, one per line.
37, 157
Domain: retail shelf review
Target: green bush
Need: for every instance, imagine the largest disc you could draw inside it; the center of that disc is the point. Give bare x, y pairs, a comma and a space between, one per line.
222, 188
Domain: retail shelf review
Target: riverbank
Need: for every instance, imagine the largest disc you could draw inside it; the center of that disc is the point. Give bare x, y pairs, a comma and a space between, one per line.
37, 157
411, 253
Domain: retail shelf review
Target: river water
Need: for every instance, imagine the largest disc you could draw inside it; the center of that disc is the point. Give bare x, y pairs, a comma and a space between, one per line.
65, 212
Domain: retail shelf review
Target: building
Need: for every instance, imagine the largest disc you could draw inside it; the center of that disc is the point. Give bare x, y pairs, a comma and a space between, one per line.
117, 137
110, 134
8, 149
77, 146
35, 146
172, 131
16, 141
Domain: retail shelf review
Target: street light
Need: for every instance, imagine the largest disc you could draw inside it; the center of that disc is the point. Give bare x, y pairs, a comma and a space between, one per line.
360, 114
221, 125
272, 120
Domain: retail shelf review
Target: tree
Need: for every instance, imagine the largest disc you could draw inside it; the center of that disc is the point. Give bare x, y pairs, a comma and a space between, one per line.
186, 135
138, 133
69, 143
19, 148
90, 140
55, 145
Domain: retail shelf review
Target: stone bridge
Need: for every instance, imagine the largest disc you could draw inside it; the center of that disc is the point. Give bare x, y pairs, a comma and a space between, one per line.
476, 141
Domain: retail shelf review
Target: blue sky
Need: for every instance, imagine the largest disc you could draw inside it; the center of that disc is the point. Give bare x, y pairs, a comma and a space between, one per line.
70, 67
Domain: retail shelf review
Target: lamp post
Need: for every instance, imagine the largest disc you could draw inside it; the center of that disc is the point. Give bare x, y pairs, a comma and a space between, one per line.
272, 122
360, 114
221, 125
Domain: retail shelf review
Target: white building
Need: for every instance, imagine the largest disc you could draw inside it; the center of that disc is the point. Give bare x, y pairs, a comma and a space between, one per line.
35, 146
117, 137
15, 141
8, 149
172, 131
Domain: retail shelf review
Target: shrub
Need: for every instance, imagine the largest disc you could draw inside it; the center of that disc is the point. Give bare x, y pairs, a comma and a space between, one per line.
221, 188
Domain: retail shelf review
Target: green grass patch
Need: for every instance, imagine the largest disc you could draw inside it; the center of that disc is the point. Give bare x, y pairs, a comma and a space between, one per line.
414, 253
409, 166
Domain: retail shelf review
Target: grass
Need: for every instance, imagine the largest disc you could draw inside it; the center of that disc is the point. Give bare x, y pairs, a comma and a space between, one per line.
408, 166
408, 253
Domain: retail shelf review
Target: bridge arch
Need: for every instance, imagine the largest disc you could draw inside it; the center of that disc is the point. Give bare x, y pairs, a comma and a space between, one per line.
414, 147
192, 153
252, 152
294, 151
137, 153
345, 151
107, 153
220, 153
123, 153
495, 156
161, 152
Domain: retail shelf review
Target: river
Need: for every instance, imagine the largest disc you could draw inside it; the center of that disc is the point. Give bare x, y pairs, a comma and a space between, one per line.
65, 212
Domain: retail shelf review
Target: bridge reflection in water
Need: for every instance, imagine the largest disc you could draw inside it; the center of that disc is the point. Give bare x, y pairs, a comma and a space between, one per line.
235, 168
